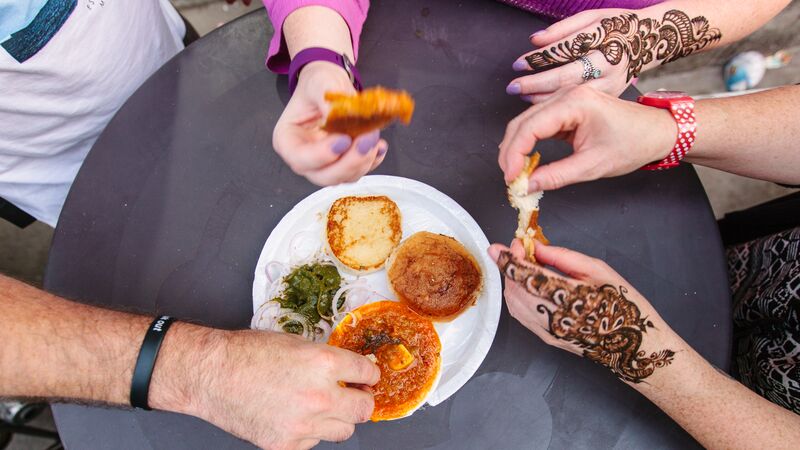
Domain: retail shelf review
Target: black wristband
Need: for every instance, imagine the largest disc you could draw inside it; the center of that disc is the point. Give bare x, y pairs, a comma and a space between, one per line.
140, 385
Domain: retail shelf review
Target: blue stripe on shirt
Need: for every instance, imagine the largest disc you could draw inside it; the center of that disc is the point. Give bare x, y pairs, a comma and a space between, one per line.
25, 43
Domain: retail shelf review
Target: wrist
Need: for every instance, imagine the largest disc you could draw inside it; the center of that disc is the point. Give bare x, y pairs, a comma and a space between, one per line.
684, 377
188, 361
664, 132
317, 71
324, 76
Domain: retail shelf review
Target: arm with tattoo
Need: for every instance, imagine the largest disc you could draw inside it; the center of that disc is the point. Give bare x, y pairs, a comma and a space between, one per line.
595, 313
638, 42
599, 321
621, 43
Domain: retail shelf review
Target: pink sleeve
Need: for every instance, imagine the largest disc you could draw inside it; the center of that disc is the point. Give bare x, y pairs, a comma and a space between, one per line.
354, 13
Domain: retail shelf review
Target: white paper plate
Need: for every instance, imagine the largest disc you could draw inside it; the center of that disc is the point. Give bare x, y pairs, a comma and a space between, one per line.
466, 339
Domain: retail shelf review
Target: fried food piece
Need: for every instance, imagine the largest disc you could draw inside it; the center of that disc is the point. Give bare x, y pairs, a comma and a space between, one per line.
363, 231
528, 229
434, 275
405, 347
370, 109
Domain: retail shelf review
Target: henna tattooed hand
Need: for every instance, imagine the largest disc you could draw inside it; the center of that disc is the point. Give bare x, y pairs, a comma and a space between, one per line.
593, 313
620, 43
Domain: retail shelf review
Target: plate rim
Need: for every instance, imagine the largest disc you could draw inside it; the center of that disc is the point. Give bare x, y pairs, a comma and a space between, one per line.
491, 277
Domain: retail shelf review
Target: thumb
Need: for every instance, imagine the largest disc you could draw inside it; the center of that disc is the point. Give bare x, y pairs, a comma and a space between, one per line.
576, 168
494, 251
565, 28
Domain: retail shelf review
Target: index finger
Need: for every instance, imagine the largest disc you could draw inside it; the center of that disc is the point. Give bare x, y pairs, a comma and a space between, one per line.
565, 27
355, 368
552, 119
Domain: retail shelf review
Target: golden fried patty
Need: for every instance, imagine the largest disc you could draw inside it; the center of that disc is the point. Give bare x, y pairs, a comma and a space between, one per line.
363, 231
371, 109
434, 275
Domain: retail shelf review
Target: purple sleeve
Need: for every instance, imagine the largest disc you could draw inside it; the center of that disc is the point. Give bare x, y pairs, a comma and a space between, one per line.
561, 9
354, 13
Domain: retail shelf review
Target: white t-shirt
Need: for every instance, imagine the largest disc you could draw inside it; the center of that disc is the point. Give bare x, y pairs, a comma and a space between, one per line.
66, 66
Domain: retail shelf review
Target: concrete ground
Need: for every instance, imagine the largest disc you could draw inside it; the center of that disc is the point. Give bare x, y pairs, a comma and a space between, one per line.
23, 253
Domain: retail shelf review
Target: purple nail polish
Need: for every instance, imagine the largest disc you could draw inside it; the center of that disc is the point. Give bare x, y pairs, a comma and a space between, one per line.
513, 89
382, 151
520, 65
367, 141
536, 34
527, 98
341, 145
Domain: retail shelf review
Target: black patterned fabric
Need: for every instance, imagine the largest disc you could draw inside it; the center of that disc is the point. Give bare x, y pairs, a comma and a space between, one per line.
765, 281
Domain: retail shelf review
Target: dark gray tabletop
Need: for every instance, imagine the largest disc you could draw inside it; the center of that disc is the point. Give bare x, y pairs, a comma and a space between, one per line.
173, 204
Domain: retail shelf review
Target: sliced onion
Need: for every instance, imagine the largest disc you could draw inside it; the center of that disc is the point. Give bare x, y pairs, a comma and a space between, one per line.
294, 317
339, 317
273, 290
322, 330
355, 287
357, 297
303, 247
275, 271
268, 312
335, 302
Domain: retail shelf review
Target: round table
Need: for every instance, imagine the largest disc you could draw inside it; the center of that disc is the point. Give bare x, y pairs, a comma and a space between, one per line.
172, 206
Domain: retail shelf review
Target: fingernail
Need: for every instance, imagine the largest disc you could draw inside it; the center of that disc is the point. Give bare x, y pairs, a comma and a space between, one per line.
538, 33
520, 65
513, 89
367, 141
382, 150
533, 186
527, 98
341, 145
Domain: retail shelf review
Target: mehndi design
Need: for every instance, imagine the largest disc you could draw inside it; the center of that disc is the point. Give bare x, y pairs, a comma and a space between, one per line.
643, 41
600, 320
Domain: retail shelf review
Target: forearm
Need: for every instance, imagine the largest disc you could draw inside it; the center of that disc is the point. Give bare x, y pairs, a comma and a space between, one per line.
754, 135
298, 24
317, 26
56, 349
722, 17
716, 410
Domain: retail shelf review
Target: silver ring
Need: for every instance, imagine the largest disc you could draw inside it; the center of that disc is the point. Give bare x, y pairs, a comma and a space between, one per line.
590, 72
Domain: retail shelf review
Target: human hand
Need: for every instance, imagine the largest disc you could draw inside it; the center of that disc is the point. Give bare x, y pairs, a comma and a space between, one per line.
558, 67
591, 312
279, 391
609, 136
619, 43
323, 158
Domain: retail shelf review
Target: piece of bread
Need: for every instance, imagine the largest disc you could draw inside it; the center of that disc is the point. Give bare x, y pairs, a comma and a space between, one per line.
528, 229
362, 232
370, 109
435, 275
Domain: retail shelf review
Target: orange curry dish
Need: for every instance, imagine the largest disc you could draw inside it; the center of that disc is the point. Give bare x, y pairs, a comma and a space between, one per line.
403, 344
370, 109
